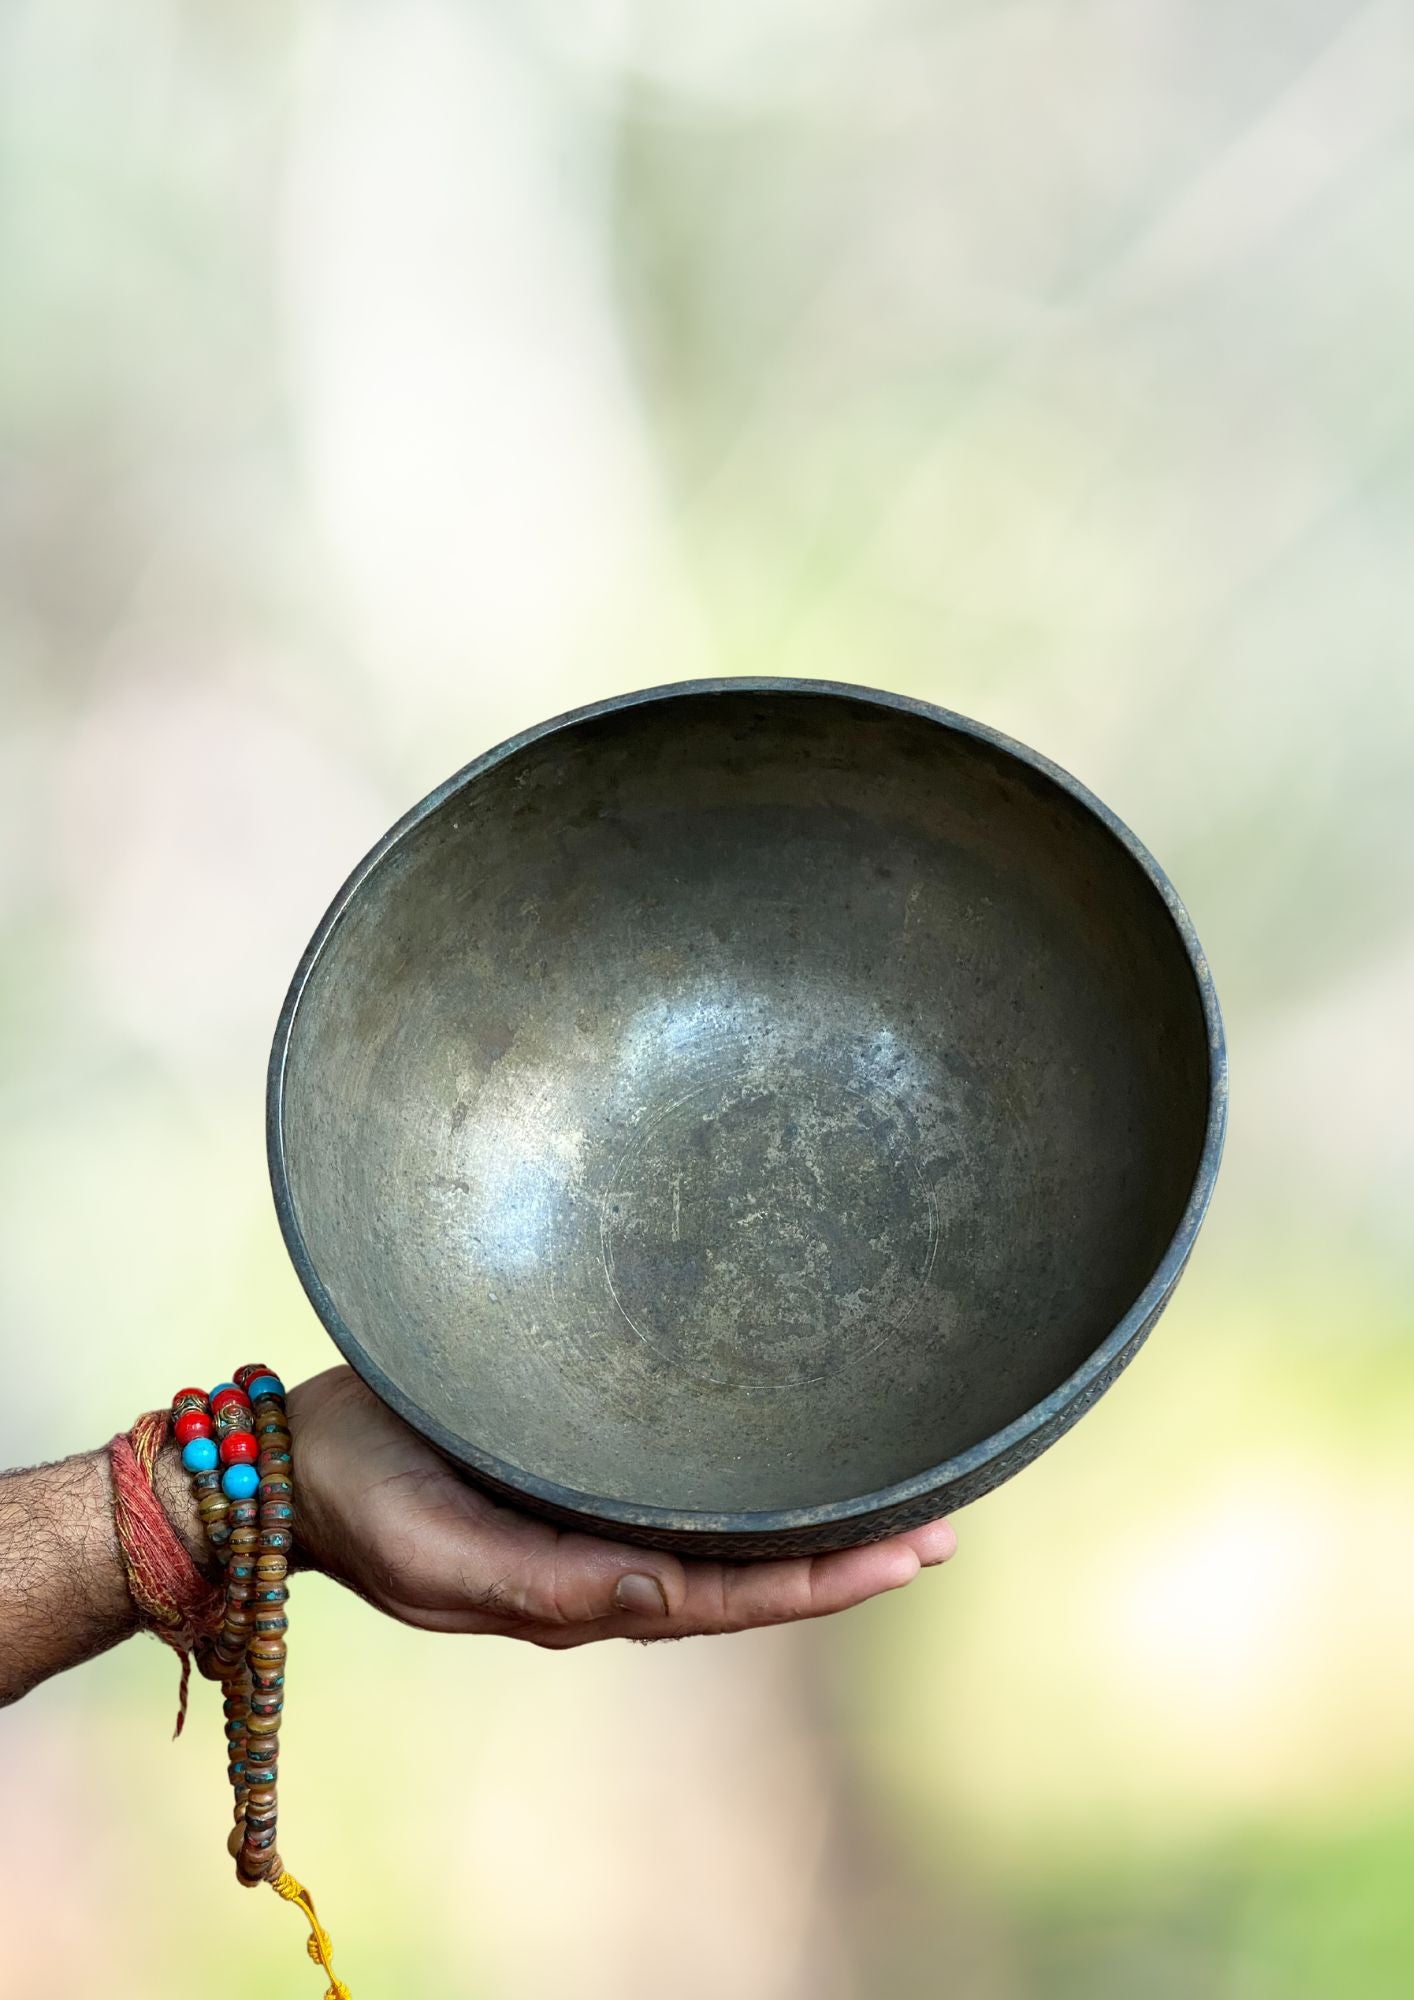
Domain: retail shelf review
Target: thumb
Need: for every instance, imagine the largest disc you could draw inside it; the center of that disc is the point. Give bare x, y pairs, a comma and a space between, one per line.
535, 1574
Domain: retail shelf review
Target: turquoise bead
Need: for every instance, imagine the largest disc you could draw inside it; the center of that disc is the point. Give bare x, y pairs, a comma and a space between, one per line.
240, 1482
265, 1385
200, 1455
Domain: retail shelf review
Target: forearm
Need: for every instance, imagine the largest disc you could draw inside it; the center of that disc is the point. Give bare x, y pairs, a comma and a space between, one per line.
63, 1588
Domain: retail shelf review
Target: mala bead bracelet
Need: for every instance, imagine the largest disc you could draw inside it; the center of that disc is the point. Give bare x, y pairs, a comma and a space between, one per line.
204, 1432
245, 1499
235, 1442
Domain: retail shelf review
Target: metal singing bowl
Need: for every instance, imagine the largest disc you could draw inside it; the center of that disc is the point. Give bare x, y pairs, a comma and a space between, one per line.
748, 1116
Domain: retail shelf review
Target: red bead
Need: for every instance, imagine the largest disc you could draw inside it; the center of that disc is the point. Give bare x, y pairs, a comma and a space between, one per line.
225, 1396
193, 1424
182, 1394
245, 1376
238, 1448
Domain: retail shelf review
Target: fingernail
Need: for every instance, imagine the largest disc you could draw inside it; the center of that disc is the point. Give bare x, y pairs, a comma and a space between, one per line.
643, 1595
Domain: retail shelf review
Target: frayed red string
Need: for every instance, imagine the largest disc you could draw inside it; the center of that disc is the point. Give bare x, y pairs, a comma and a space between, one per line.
176, 1600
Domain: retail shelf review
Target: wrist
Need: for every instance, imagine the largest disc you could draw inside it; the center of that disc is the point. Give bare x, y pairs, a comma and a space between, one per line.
300, 1405
172, 1484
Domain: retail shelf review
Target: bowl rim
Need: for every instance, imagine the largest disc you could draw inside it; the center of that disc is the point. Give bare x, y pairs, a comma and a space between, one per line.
680, 1522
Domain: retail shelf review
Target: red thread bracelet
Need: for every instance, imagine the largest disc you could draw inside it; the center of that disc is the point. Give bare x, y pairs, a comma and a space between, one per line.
180, 1604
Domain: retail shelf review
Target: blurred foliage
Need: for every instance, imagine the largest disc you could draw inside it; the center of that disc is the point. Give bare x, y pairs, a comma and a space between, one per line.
375, 381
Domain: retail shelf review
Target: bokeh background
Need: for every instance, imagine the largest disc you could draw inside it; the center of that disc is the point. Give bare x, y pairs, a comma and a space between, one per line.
378, 378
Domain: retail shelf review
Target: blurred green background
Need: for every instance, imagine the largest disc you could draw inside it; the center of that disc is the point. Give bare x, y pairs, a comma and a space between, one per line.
376, 379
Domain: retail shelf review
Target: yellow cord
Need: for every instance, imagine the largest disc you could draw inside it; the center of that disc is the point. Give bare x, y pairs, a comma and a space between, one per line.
317, 1943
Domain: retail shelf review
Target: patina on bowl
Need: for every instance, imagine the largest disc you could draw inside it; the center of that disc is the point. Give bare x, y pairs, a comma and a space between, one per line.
747, 1116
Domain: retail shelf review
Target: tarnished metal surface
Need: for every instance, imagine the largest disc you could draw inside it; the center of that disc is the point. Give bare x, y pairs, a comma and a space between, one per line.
749, 1115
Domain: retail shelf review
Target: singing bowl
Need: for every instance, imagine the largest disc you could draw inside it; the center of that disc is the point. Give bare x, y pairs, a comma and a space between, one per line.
747, 1117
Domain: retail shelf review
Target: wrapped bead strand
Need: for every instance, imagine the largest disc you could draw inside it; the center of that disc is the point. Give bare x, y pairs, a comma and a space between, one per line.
202, 1430
266, 1647
236, 1444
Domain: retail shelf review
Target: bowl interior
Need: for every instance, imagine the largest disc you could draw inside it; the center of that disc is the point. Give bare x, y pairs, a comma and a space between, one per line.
743, 1101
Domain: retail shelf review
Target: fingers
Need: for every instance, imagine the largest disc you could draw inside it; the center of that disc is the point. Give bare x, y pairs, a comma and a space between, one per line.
935, 1542
605, 1590
738, 1599
724, 1597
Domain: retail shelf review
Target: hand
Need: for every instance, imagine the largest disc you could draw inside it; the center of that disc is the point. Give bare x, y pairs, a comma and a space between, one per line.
382, 1512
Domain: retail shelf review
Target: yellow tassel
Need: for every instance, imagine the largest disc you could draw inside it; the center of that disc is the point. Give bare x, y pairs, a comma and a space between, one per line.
317, 1943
